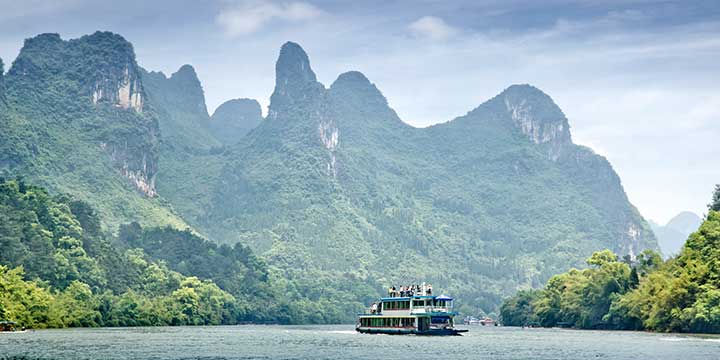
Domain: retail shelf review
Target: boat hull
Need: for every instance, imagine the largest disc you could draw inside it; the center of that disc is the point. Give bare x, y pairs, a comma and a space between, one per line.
431, 332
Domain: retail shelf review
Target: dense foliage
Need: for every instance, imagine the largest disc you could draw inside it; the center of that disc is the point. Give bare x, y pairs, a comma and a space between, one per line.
680, 295
58, 269
64, 128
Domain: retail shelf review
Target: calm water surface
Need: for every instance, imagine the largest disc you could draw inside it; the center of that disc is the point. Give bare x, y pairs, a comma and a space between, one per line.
341, 341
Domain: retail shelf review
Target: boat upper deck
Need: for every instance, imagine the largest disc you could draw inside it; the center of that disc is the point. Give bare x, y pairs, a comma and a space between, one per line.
435, 305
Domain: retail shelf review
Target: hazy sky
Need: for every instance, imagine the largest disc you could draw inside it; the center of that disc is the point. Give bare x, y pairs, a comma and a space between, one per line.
637, 79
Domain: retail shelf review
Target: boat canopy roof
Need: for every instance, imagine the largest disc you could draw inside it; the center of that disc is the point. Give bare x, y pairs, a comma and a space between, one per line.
444, 297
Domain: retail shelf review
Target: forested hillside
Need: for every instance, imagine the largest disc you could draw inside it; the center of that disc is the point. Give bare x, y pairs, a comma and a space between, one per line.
333, 191
76, 121
58, 269
333, 180
681, 294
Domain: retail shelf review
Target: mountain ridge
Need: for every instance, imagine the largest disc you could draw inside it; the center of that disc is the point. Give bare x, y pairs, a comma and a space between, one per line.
333, 185
343, 155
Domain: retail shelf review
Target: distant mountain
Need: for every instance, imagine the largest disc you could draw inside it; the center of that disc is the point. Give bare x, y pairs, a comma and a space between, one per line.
332, 188
685, 221
672, 236
235, 118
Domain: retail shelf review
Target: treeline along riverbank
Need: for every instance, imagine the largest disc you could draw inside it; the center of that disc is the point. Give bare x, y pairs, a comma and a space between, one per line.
59, 269
681, 294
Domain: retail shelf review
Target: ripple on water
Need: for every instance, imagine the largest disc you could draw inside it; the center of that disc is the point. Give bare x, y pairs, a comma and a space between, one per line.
333, 342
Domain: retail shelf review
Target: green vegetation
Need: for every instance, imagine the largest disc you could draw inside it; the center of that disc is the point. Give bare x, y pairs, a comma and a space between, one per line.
679, 295
58, 270
234, 119
333, 181
64, 127
715, 203
335, 195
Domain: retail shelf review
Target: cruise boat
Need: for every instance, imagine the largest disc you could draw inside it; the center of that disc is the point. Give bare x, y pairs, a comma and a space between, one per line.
410, 312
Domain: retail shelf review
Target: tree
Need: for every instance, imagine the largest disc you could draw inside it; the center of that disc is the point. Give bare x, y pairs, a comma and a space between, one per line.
634, 278
518, 310
23, 301
601, 257
715, 204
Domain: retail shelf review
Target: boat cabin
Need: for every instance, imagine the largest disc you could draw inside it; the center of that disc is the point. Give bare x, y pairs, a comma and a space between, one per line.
415, 304
413, 314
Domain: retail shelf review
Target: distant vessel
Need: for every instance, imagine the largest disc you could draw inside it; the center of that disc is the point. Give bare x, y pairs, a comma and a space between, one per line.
471, 320
410, 310
9, 326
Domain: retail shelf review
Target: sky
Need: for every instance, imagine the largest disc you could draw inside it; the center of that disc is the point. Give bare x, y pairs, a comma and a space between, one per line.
638, 80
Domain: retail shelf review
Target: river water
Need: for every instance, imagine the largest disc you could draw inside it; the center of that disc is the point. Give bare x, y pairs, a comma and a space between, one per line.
342, 342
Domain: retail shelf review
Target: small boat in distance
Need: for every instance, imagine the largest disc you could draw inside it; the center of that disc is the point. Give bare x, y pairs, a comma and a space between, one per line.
410, 310
486, 321
7, 326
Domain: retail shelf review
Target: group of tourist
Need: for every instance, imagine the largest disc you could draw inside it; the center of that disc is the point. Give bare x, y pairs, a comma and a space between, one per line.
412, 290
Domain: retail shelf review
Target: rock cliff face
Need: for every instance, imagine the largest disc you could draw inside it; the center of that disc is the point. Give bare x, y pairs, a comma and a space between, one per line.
114, 76
123, 91
537, 116
137, 165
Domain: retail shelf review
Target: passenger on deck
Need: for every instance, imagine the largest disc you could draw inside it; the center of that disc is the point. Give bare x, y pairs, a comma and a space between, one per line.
429, 289
373, 309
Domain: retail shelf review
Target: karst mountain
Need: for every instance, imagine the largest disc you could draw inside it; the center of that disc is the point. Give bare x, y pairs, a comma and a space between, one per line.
331, 188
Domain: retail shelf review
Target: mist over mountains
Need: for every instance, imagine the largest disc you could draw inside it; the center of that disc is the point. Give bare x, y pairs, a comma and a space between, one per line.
332, 186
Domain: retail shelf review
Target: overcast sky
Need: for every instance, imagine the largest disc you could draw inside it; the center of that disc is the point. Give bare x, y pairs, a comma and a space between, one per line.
638, 80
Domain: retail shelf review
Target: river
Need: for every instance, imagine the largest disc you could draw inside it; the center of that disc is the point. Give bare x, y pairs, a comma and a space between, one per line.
341, 341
